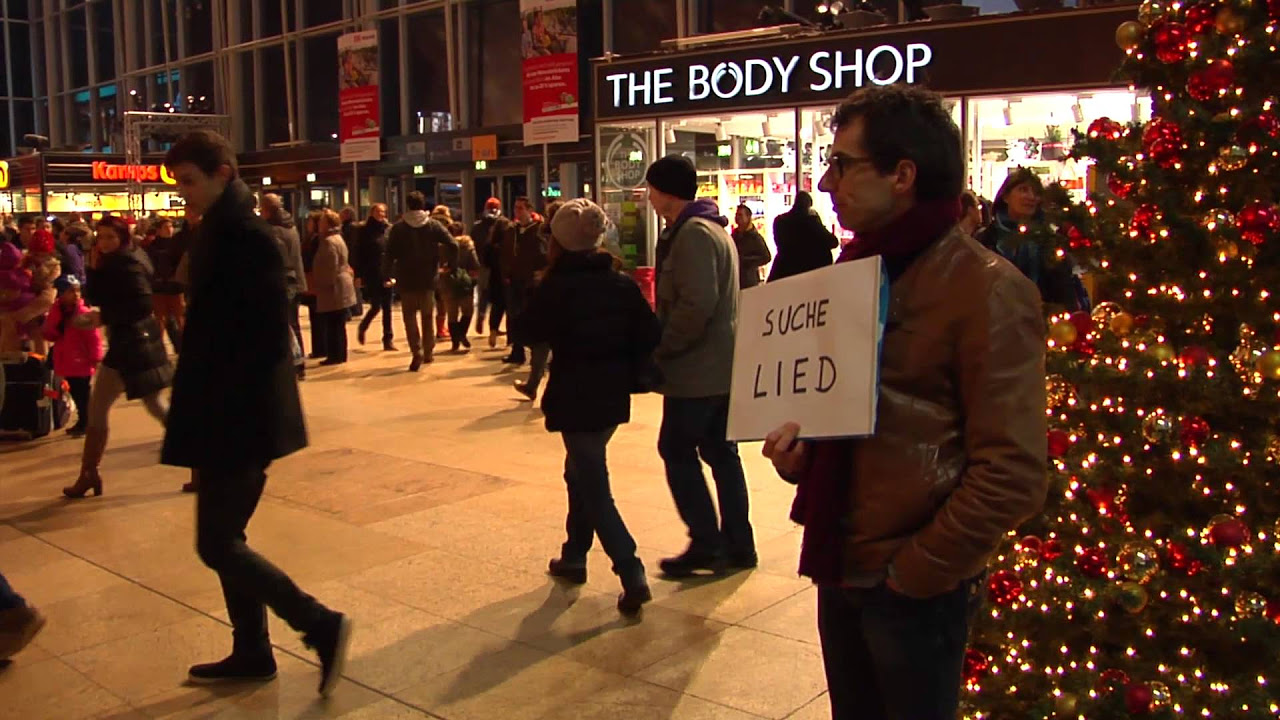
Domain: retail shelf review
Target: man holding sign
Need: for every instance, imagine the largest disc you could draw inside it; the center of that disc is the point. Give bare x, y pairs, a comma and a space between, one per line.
899, 524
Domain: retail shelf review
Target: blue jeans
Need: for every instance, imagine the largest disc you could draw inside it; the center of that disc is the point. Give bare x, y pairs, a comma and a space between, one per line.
8, 598
893, 657
694, 428
592, 510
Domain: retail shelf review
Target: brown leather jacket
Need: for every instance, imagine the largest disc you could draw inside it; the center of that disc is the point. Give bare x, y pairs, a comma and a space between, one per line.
959, 454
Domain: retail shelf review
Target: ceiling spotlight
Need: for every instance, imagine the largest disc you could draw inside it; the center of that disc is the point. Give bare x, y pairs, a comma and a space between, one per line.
837, 7
670, 136
1007, 113
722, 134
1077, 113
334, 135
823, 8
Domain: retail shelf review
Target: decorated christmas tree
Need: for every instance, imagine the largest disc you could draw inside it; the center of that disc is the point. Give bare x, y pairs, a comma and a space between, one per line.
1150, 585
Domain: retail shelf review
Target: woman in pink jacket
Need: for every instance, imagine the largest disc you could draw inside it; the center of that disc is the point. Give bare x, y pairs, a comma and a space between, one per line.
77, 348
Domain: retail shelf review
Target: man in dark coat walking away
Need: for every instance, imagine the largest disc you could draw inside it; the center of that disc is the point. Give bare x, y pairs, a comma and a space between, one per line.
803, 242
415, 248
367, 260
286, 232
235, 409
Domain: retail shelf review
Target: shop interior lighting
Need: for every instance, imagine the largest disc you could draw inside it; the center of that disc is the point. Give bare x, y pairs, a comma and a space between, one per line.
311, 177
764, 129
670, 135
722, 134
266, 180
1077, 113
1137, 112
1007, 114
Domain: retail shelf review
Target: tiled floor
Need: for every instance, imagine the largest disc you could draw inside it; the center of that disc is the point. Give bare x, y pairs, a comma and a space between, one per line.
426, 508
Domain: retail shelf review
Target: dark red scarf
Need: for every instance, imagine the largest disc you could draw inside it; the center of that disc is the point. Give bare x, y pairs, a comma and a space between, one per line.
822, 495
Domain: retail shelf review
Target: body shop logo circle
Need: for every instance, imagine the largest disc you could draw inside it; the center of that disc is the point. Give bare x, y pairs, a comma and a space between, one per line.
626, 161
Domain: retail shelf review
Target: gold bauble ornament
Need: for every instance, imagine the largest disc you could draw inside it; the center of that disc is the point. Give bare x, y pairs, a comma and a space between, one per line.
1233, 157
1133, 597
1059, 392
1218, 219
1228, 249
1269, 365
1161, 698
1139, 561
1250, 604
1157, 428
1272, 452
1245, 357
1129, 35
1151, 11
1063, 333
1065, 705
1104, 312
1122, 324
1230, 22
1162, 352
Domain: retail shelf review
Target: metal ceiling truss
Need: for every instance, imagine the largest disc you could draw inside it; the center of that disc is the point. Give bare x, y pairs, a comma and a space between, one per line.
142, 126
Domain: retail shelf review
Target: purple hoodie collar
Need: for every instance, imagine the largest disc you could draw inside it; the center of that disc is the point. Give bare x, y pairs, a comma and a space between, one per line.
704, 208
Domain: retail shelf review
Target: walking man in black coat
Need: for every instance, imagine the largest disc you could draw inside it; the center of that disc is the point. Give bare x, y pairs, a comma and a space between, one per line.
235, 408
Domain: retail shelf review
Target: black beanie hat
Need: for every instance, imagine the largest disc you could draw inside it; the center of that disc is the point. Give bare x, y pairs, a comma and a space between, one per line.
674, 175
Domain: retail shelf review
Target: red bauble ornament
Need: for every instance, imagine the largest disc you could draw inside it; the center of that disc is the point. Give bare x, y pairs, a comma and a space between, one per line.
1194, 356
1177, 557
1003, 587
1199, 19
1120, 187
1059, 443
1257, 221
1161, 129
1102, 498
1273, 610
1229, 533
976, 664
1194, 567
1083, 322
1137, 698
1166, 153
1212, 80
1032, 544
1144, 220
1092, 562
1194, 431
1259, 128
1170, 40
1113, 679
1076, 238
1106, 128
1084, 346
1051, 550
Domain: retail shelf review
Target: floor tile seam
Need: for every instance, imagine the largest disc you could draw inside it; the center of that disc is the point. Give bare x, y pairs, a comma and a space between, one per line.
61, 661
717, 703
279, 648
805, 705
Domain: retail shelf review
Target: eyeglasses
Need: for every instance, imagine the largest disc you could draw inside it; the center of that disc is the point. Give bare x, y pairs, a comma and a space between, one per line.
842, 162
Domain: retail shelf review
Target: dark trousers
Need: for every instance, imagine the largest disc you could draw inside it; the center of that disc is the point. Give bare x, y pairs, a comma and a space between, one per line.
294, 324
497, 303
8, 598
516, 298
79, 387
335, 335
893, 657
694, 428
539, 357
379, 301
250, 584
319, 348
592, 510
482, 297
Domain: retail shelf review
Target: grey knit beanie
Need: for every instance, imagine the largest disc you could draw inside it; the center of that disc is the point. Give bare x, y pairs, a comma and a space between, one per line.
579, 225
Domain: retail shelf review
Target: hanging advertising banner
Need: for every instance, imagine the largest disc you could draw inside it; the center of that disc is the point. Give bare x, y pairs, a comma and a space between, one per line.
549, 46
359, 124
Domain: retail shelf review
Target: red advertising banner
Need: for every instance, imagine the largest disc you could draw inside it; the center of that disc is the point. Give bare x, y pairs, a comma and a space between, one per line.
549, 45
359, 117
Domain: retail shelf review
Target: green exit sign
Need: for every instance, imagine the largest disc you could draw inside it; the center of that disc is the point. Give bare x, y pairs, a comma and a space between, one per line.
724, 150
752, 147
419, 169
482, 165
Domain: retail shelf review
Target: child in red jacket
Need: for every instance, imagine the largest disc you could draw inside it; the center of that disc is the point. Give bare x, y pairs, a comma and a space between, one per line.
78, 346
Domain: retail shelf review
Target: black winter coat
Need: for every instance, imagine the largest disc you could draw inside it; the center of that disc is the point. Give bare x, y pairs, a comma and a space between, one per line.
803, 243
482, 233
166, 255
235, 395
367, 254
121, 289
601, 331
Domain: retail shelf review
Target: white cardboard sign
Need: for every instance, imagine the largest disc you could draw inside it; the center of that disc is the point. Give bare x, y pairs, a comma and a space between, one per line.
808, 351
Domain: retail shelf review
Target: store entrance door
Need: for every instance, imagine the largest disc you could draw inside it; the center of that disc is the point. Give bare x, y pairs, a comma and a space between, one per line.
504, 187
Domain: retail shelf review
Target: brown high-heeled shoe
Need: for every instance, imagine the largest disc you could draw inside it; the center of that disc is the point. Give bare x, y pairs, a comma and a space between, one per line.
89, 480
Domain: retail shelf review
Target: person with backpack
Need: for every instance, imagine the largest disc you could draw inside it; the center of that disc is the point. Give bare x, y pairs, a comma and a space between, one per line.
459, 291
416, 247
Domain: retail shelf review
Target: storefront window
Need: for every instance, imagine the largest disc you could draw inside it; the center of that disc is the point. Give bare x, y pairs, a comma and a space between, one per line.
104, 40
747, 158
625, 152
1034, 131
321, 72
76, 46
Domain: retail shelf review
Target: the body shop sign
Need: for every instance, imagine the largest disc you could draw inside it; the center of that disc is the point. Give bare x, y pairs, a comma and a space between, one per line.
1007, 54
753, 77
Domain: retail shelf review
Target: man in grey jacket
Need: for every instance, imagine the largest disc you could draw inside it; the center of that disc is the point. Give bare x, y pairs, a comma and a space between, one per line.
286, 233
697, 298
416, 248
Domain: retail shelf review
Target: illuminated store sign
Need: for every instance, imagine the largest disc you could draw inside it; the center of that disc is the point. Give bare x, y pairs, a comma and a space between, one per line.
124, 173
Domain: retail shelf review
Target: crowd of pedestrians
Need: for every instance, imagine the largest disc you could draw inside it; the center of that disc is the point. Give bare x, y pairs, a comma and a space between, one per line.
896, 537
